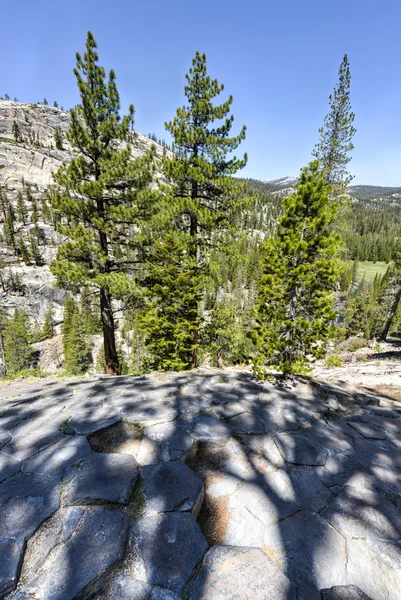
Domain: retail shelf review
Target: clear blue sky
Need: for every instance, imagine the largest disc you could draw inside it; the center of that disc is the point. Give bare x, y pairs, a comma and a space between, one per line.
279, 60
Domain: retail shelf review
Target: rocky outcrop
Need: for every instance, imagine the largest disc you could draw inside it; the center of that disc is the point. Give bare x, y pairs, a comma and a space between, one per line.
30, 160
303, 504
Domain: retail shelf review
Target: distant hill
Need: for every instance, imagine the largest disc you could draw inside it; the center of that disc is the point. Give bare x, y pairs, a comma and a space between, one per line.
366, 192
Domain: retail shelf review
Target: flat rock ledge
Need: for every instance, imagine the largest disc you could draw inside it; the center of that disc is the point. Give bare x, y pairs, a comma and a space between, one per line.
198, 487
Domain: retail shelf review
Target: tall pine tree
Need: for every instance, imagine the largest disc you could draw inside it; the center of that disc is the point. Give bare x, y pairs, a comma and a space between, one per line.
295, 303
206, 196
101, 195
336, 135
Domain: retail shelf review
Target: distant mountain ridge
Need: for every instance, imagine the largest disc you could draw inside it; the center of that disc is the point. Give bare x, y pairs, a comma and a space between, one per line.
360, 192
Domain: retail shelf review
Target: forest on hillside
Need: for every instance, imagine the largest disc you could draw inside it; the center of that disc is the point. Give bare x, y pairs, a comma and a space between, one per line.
179, 261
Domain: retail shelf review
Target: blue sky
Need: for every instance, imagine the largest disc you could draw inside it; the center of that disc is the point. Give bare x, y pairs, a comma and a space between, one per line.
278, 59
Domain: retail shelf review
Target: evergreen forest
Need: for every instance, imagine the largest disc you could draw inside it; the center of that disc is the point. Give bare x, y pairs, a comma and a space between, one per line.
176, 261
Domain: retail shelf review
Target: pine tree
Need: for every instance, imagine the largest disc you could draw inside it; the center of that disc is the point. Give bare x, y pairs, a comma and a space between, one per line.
336, 134
26, 257
295, 303
207, 197
17, 344
172, 290
102, 194
35, 252
69, 309
46, 211
58, 138
16, 131
22, 212
77, 354
48, 330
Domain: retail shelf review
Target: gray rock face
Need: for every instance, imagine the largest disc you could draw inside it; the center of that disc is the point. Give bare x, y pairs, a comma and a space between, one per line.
171, 486
166, 550
8, 466
205, 427
74, 553
124, 587
240, 573
299, 450
164, 442
25, 502
344, 592
102, 478
312, 553
11, 551
367, 430
149, 412
58, 458
363, 513
93, 419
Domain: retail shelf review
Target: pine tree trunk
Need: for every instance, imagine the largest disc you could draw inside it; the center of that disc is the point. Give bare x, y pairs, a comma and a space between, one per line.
110, 351
390, 317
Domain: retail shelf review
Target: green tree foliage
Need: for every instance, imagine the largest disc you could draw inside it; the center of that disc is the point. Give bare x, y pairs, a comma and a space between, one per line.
69, 309
295, 303
22, 211
336, 134
48, 329
34, 249
58, 138
19, 355
16, 132
224, 335
76, 342
102, 194
206, 196
23, 249
171, 314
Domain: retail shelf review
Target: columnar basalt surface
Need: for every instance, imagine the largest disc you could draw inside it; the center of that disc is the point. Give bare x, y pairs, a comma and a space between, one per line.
200, 487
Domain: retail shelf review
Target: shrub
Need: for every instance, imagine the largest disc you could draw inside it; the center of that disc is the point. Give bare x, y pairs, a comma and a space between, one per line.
334, 360
352, 344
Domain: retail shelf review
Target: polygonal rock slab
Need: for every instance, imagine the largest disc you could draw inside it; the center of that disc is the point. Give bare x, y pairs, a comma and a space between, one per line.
309, 550
74, 552
25, 502
92, 419
330, 438
270, 498
164, 442
374, 565
360, 512
149, 412
8, 466
299, 450
344, 592
377, 452
58, 458
205, 427
4, 438
102, 478
30, 437
11, 552
247, 423
230, 572
165, 550
124, 587
171, 486
367, 430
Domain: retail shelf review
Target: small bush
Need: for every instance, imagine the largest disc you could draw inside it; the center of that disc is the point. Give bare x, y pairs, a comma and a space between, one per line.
334, 360
352, 344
